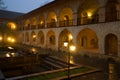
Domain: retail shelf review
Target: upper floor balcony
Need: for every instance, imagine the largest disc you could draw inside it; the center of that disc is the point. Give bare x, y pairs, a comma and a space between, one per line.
86, 20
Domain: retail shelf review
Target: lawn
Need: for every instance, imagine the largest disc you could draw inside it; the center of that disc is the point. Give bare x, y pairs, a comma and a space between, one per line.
58, 74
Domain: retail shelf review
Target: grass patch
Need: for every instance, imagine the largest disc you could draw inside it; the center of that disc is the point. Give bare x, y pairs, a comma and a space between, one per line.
59, 74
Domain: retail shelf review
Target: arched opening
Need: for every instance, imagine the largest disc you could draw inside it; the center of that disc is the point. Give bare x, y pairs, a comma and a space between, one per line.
112, 8
40, 38
51, 39
27, 25
65, 35
87, 12
111, 45
34, 22
33, 37
12, 25
66, 17
41, 23
87, 40
51, 19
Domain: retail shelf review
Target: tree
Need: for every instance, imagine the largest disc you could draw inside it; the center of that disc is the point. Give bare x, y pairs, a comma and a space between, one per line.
2, 5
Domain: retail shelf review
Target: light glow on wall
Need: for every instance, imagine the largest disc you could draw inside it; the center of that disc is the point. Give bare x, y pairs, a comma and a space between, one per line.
1, 38
41, 22
34, 36
12, 25
89, 14
70, 37
72, 48
10, 39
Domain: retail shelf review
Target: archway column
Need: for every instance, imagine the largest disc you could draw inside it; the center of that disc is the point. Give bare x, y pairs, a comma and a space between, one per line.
23, 23
30, 24
101, 43
45, 39
58, 21
57, 41
101, 11
75, 19
119, 46
45, 17
24, 38
119, 10
37, 22
101, 14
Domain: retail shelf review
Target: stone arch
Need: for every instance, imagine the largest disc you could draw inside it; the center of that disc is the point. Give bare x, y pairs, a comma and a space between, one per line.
33, 23
66, 17
111, 44
65, 35
87, 40
12, 25
51, 19
50, 39
41, 21
26, 37
88, 12
27, 24
111, 10
40, 38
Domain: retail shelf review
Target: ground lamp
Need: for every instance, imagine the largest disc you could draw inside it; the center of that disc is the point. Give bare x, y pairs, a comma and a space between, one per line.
70, 48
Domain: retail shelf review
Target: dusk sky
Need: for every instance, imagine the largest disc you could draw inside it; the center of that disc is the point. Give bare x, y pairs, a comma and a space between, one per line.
24, 6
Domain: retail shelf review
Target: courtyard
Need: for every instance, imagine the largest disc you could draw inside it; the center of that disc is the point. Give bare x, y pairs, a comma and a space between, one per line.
30, 65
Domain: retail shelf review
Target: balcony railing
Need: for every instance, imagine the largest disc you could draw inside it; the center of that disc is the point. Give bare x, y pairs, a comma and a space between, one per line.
41, 26
26, 27
112, 16
88, 20
66, 23
33, 26
109, 16
52, 24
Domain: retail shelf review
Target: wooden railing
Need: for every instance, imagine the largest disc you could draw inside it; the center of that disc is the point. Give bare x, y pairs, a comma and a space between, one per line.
41, 26
66, 23
52, 24
88, 20
33, 26
112, 16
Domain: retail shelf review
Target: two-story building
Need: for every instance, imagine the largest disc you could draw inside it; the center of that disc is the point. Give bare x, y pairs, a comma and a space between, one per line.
92, 25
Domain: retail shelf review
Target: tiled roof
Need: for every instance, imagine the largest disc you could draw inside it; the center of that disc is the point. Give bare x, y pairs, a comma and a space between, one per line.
9, 14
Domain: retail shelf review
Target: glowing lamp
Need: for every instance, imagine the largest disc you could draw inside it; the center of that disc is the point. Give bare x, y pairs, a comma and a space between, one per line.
72, 48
